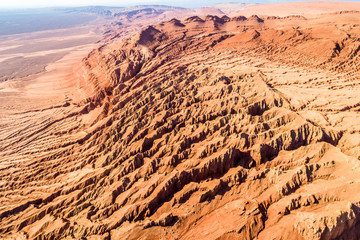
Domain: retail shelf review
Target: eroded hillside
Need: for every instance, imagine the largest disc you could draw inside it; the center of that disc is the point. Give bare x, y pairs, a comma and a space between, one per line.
207, 128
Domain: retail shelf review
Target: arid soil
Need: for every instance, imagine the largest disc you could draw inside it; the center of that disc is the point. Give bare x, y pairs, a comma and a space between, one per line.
205, 128
22, 55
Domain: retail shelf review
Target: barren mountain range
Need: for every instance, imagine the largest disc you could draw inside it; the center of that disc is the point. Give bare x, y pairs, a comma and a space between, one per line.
241, 127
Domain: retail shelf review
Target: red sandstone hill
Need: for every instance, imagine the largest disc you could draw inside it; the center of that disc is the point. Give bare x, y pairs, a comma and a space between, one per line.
206, 128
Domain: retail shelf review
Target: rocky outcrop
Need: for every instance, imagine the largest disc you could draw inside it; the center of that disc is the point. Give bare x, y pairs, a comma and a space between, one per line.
207, 128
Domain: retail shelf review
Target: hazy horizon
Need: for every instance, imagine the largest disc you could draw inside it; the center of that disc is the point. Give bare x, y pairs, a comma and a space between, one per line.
21, 4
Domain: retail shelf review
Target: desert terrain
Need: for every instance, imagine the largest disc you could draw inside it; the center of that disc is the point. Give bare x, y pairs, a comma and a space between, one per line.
37, 59
30, 40
194, 127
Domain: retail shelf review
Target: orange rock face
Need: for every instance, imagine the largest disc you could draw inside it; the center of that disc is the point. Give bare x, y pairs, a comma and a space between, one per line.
207, 128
